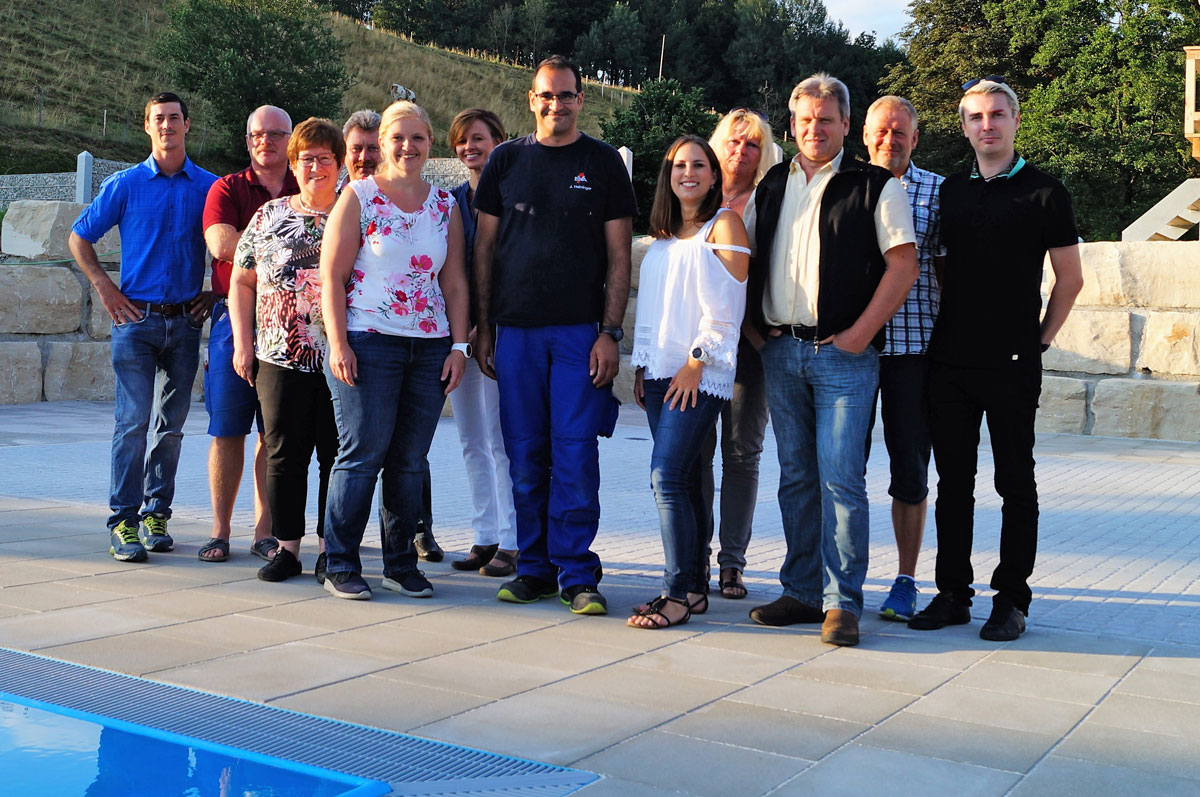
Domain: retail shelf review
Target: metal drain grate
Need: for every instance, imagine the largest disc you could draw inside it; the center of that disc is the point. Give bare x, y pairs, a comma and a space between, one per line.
411, 765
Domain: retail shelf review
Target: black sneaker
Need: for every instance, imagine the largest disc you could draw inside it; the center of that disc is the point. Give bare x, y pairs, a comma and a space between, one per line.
1005, 623
943, 610
348, 585
282, 566
584, 599
319, 568
426, 545
413, 584
526, 589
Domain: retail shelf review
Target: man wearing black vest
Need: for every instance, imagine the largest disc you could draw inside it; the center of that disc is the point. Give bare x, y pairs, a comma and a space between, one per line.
999, 221
836, 257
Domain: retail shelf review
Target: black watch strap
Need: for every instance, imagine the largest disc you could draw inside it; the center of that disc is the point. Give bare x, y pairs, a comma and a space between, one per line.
616, 333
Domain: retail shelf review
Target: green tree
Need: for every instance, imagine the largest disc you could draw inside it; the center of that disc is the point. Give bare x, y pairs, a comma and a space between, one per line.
950, 42
614, 47
406, 17
1104, 113
662, 112
239, 54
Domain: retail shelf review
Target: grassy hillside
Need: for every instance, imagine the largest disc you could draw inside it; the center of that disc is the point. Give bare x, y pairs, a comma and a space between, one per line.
94, 55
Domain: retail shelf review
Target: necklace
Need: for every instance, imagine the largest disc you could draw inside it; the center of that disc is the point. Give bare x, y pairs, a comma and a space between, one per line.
729, 200
314, 211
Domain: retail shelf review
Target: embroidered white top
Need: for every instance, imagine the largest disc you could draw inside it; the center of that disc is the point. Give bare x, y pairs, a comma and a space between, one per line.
687, 298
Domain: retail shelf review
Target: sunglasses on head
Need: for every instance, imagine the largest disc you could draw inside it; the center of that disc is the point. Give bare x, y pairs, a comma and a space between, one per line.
992, 78
749, 112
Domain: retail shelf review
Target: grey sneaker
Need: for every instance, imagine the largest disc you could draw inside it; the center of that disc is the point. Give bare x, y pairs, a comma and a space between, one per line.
124, 545
154, 533
347, 585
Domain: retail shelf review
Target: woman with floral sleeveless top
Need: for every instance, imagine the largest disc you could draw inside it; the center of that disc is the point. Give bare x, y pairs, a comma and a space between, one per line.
396, 243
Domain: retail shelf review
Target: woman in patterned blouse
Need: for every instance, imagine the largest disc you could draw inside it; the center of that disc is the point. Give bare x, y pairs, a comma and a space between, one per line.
276, 282
395, 243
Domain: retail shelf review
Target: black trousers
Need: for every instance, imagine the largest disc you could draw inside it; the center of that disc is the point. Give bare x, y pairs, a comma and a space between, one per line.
297, 417
959, 398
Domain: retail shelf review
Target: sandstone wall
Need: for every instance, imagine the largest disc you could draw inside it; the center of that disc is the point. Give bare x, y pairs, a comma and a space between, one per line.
1126, 363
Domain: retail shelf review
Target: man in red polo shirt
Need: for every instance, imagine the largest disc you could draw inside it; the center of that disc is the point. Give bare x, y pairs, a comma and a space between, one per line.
231, 402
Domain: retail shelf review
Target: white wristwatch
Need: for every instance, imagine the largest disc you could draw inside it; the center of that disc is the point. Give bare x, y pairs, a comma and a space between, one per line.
700, 355
465, 348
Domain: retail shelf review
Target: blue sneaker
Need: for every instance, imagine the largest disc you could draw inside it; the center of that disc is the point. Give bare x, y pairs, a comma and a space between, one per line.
155, 536
901, 603
124, 544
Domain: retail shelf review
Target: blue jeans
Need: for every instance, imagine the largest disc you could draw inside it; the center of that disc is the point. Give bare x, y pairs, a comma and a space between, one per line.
154, 360
550, 416
675, 474
385, 421
820, 400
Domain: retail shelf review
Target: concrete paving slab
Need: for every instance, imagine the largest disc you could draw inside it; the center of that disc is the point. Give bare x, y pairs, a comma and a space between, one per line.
1072, 778
393, 641
660, 757
75, 624
857, 668
789, 733
687, 658
1014, 712
857, 769
980, 743
1151, 752
381, 702
1163, 685
137, 653
667, 690
1039, 682
1149, 714
618, 787
851, 703
475, 673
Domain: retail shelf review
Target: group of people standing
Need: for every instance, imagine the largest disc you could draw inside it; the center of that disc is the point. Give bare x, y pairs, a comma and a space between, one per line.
344, 312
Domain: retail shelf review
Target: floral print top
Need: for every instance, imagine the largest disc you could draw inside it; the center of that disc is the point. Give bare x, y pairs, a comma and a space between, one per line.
393, 287
283, 247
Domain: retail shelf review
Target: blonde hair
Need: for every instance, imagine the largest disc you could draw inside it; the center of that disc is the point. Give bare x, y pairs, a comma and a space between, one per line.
756, 127
991, 87
403, 109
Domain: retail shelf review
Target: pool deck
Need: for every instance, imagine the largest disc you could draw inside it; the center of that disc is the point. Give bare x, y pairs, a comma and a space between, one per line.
1100, 696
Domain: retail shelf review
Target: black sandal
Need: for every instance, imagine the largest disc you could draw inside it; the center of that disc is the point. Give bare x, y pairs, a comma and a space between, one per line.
507, 566
479, 556
653, 613
731, 584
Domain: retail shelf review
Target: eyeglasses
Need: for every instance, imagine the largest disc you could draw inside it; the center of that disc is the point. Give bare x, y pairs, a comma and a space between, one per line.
992, 78
273, 135
307, 161
563, 96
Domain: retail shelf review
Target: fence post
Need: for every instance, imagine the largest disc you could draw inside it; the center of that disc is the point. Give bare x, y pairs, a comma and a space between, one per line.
778, 151
627, 157
83, 178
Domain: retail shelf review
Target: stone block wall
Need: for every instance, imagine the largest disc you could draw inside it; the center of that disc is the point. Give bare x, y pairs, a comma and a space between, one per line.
1127, 361
53, 186
54, 332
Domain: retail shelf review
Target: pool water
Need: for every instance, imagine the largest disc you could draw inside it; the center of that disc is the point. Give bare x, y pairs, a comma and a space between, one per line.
44, 751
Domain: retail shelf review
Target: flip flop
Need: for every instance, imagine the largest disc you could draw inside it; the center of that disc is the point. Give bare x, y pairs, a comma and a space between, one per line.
214, 544
264, 548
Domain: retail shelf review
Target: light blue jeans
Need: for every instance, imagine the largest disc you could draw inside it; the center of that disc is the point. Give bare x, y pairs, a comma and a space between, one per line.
820, 401
154, 360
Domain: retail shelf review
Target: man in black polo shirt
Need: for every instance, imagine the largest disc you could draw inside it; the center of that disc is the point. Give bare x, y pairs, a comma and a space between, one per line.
551, 273
998, 222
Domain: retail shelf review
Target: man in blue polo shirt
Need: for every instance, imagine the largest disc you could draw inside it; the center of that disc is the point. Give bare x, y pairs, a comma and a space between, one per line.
157, 313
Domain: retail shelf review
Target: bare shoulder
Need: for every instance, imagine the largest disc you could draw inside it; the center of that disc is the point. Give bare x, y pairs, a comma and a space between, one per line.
728, 229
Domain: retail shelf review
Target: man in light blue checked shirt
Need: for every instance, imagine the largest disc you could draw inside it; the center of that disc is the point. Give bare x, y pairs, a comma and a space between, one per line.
890, 133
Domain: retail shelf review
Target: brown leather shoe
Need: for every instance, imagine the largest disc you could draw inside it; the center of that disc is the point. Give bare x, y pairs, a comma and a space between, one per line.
840, 628
786, 610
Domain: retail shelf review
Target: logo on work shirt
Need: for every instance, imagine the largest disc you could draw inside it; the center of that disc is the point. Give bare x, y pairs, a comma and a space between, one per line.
580, 182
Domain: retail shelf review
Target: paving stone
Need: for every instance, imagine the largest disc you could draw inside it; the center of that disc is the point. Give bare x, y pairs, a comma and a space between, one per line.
660, 757
1149, 714
381, 703
1151, 752
980, 743
1041, 682
860, 670
1071, 778
851, 703
1014, 712
789, 733
869, 770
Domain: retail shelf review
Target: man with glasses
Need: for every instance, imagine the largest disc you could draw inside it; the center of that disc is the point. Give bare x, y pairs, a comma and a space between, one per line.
836, 258
890, 134
999, 221
231, 401
157, 314
551, 272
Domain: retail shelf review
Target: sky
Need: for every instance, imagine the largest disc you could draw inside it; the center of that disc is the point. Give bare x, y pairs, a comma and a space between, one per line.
885, 17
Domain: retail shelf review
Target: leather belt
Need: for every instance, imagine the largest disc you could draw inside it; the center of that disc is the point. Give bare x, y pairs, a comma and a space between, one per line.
165, 310
798, 331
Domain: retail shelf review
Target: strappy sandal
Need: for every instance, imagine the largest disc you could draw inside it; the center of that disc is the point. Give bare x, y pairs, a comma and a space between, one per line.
507, 566
731, 584
265, 548
653, 613
479, 556
698, 606
215, 544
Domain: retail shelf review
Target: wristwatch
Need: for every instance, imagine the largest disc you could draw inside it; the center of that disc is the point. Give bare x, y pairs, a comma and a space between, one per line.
465, 348
616, 333
699, 355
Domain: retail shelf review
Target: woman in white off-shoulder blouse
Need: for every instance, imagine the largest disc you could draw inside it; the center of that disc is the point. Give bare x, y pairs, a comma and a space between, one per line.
691, 299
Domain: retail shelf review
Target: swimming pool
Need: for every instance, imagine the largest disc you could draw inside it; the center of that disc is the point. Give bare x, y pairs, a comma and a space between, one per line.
245, 748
